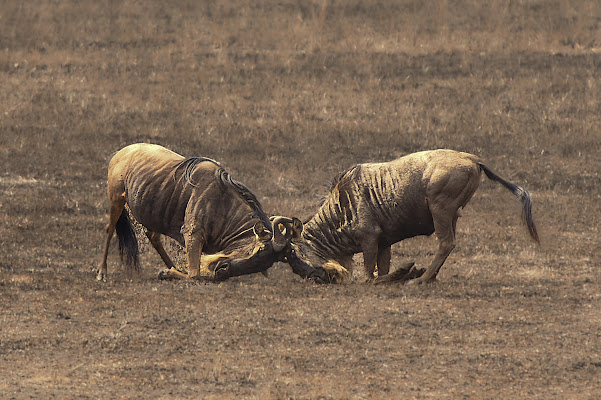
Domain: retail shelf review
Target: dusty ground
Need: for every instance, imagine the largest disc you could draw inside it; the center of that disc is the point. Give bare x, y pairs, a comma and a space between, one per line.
285, 95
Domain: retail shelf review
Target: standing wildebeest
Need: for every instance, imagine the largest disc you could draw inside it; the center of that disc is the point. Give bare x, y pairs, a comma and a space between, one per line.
372, 206
195, 202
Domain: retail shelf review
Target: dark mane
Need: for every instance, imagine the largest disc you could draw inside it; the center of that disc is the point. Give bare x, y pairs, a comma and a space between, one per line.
225, 180
342, 180
190, 165
329, 228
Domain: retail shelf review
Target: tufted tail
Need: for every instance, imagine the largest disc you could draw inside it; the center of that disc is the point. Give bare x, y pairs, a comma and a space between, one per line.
521, 194
128, 243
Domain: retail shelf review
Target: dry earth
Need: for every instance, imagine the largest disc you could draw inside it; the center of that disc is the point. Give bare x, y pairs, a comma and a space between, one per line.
287, 94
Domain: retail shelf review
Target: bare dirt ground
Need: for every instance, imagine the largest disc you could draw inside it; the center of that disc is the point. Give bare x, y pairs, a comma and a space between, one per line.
285, 95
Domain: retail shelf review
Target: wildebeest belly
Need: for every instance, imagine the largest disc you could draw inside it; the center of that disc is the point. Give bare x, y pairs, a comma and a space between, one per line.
403, 219
395, 196
405, 231
158, 202
406, 226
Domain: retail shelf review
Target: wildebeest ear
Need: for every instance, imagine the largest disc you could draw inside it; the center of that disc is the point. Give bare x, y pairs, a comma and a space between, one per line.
297, 228
261, 231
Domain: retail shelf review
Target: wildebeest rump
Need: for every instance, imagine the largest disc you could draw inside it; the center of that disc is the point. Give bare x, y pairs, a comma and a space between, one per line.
372, 206
195, 202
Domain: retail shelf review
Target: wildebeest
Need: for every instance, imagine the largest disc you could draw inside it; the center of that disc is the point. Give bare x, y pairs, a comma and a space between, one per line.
197, 203
372, 206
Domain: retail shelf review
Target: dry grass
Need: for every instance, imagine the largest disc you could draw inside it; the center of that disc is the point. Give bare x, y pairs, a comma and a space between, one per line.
285, 95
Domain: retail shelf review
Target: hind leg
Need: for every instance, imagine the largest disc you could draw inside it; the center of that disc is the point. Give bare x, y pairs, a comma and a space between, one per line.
117, 200
155, 240
444, 226
447, 193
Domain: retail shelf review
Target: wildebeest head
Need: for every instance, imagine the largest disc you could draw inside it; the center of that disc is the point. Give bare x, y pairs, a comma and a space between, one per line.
308, 262
267, 247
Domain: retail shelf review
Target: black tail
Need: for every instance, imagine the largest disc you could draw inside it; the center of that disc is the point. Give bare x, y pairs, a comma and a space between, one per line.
522, 194
128, 243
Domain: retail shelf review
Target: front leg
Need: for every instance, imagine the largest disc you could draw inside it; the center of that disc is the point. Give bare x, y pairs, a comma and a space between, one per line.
404, 273
193, 245
369, 245
384, 256
193, 253
370, 258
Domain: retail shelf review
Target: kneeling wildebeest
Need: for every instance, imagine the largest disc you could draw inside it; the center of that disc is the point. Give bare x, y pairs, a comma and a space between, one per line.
195, 202
372, 206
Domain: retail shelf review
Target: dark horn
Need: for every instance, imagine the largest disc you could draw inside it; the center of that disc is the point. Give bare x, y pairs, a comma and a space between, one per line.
279, 240
297, 228
294, 226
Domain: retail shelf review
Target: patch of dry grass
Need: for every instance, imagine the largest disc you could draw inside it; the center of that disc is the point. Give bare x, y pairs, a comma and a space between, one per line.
287, 94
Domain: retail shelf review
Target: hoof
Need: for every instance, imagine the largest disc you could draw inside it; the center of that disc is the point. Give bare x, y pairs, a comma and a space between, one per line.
413, 282
164, 275
415, 277
101, 277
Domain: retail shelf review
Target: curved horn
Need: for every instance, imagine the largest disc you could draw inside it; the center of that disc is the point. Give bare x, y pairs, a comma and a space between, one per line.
297, 228
279, 239
293, 225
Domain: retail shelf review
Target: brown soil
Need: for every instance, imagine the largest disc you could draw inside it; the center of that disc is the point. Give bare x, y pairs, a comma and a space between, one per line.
285, 95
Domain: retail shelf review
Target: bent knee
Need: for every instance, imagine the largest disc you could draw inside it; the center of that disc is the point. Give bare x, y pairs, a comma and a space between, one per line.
447, 246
